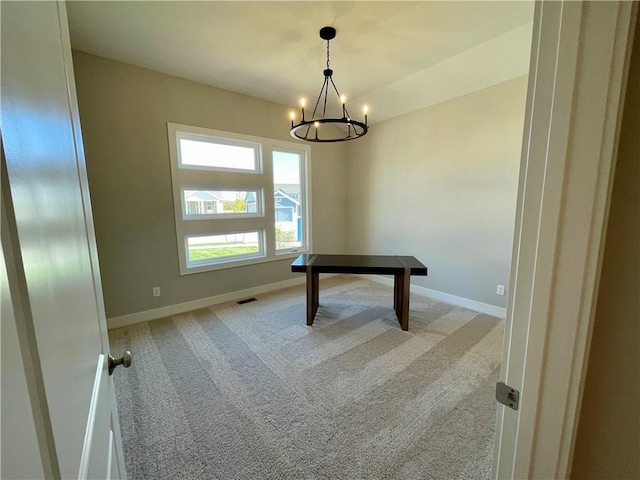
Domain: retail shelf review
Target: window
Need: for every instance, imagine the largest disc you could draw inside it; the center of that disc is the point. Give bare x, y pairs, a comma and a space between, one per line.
216, 153
289, 216
231, 246
238, 200
199, 202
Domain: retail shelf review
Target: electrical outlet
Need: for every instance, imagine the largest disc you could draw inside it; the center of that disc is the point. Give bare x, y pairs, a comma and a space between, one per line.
500, 290
156, 291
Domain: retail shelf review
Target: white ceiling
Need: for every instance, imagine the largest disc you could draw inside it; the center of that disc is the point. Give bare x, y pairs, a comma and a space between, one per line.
394, 56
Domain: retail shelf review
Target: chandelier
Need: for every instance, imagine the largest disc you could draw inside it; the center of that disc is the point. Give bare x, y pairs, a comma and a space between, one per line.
310, 130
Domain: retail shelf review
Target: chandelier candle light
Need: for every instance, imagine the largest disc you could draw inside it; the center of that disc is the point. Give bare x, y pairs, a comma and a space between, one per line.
308, 130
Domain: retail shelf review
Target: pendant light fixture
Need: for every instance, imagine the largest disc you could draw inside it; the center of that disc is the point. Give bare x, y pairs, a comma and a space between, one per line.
311, 130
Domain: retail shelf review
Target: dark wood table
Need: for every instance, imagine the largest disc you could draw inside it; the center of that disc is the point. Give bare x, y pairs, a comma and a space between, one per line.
401, 267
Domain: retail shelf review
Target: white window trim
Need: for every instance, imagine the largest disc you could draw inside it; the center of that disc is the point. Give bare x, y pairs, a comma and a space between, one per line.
190, 176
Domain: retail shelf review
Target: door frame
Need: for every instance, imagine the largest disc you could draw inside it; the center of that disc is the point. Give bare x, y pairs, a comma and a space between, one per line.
579, 62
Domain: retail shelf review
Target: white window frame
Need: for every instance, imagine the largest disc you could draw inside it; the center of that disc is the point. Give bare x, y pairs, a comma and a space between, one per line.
214, 178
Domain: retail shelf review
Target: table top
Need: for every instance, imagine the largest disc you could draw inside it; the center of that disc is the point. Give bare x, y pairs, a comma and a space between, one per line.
373, 264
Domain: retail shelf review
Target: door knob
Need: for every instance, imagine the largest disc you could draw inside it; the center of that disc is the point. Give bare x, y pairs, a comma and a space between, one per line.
124, 360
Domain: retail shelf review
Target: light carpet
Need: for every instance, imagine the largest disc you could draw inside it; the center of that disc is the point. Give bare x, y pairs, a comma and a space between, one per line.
250, 392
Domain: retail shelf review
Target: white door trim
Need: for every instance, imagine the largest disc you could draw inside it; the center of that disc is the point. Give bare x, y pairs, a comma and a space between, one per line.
580, 56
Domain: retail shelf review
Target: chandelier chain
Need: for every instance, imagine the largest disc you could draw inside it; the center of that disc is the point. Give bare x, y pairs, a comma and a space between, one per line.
328, 55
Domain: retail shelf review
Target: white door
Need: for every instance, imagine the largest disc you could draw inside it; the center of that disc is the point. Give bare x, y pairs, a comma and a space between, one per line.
50, 253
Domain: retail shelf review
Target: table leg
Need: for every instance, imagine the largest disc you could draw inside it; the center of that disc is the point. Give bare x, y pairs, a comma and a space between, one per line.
313, 288
403, 316
316, 292
398, 297
396, 287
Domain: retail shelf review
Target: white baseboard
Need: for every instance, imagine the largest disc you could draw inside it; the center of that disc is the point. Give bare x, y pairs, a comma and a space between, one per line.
138, 317
447, 297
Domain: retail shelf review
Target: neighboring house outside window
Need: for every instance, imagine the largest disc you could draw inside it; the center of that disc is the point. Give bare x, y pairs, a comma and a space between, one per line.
287, 209
201, 202
238, 200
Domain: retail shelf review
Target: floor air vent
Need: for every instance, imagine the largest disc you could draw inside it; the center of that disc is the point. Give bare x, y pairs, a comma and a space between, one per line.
246, 300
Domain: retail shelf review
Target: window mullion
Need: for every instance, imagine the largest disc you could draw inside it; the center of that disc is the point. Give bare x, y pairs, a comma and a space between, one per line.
202, 227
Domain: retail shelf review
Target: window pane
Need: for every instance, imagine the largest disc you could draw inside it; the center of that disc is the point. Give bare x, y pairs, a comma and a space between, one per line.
287, 200
218, 155
221, 248
220, 202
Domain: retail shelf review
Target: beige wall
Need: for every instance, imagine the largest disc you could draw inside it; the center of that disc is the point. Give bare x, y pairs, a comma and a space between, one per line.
608, 438
124, 112
440, 184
